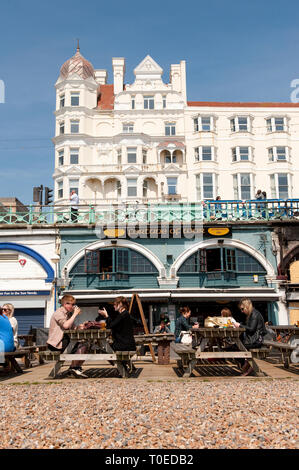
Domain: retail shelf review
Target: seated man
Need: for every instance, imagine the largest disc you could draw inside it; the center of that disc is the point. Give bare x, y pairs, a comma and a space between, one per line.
162, 328
6, 334
63, 319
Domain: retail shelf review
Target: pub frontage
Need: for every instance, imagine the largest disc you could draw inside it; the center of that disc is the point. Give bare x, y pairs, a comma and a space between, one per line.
169, 265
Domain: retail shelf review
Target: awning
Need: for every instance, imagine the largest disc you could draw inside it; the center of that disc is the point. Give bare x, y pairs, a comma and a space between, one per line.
176, 295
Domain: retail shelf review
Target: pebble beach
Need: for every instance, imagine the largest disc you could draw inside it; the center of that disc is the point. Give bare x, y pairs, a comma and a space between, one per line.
126, 414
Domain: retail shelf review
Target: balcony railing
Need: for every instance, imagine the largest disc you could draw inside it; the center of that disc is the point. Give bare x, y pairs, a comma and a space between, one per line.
171, 212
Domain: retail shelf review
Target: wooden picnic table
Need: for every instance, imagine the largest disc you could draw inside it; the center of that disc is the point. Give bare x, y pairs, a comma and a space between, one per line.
288, 347
212, 343
161, 340
99, 341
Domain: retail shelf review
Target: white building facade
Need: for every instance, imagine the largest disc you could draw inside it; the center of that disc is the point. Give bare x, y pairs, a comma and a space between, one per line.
145, 142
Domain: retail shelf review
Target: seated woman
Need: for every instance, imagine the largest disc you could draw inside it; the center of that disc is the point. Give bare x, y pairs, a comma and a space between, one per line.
255, 330
63, 319
8, 310
182, 323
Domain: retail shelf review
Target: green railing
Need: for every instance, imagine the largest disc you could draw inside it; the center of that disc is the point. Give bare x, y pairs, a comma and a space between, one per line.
208, 211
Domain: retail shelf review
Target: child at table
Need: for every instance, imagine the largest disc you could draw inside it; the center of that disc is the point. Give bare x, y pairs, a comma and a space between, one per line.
63, 319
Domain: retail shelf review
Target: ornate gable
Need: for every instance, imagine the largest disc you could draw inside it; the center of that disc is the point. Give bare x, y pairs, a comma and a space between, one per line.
148, 67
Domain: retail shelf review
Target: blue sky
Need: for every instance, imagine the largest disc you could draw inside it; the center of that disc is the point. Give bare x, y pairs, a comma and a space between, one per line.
235, 51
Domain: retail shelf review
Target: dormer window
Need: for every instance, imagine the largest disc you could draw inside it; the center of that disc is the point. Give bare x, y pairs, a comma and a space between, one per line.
148, 102
276, 124
75, 98
240, 124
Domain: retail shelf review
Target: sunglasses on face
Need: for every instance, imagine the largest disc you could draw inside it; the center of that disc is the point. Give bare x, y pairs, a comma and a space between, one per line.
6, 309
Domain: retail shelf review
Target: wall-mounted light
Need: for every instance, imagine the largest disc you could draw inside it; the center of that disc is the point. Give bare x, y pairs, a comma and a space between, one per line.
220, 241
113, 242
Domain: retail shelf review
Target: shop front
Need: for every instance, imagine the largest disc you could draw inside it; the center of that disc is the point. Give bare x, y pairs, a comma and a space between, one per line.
205, 273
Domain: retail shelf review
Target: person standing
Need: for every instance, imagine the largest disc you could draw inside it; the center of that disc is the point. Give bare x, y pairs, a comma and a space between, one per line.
74, 198
63, 319
8, 310
121, 326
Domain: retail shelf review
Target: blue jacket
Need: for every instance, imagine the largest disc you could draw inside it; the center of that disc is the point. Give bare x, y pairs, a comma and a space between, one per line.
6, 335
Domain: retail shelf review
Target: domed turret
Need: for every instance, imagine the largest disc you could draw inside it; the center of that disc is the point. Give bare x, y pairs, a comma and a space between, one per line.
77, 65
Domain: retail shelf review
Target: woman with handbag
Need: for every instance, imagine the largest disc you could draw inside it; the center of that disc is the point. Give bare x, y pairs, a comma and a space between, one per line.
182, 324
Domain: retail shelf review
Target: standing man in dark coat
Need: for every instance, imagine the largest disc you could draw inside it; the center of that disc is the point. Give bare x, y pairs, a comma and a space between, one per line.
121, 326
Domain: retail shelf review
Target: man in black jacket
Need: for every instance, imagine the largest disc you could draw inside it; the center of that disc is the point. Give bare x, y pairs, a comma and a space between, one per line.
254, 330
121, 326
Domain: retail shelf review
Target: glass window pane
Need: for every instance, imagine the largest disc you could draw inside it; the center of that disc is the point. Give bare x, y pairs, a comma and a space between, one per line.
132, 154
279, 124
75, 99
74, 127
244, 153
74, 156
207, 153
206, 123
171, 183
281, 153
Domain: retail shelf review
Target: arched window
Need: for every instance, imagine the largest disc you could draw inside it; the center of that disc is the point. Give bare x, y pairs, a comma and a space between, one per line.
114, 261
221, 260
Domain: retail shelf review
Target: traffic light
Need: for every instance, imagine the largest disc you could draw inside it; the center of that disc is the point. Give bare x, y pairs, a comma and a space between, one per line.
48, 196
38, 194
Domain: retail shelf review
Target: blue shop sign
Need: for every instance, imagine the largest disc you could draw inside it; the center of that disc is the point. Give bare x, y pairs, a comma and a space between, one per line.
20, 293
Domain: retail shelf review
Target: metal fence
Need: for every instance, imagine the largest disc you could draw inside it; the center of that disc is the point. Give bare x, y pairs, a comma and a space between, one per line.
171, 212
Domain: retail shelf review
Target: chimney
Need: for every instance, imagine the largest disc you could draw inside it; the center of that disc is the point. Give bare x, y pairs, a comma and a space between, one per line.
118, 65
178, 78
101, 76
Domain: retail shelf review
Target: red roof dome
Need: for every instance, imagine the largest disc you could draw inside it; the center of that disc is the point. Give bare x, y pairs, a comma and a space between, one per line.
77, 65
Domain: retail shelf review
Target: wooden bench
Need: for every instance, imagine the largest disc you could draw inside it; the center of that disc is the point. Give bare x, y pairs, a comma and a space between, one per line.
285, 349
11, 357
190, 356
119, 357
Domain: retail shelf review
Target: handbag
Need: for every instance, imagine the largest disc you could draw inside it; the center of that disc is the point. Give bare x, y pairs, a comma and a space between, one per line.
186, 337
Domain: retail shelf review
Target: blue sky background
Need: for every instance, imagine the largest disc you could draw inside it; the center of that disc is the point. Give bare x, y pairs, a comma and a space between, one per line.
235, 51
